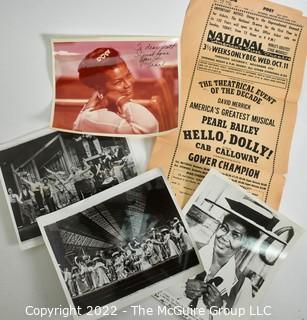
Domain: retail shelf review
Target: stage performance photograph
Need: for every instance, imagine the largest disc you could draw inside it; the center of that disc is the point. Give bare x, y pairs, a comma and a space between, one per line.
54, 170
133, 239
115, 86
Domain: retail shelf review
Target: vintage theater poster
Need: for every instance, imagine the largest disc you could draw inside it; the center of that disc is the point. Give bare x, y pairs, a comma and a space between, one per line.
242, 67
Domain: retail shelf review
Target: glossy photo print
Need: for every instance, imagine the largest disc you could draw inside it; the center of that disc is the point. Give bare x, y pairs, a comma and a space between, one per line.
50, 170
115, 86
117, 247
241, 244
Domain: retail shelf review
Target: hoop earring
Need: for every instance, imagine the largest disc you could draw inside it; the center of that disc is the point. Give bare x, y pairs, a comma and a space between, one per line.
100, 96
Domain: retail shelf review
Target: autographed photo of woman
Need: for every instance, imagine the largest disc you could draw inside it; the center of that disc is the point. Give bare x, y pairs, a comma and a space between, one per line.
115, 87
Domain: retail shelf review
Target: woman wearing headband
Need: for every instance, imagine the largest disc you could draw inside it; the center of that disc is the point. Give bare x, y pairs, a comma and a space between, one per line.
111, 108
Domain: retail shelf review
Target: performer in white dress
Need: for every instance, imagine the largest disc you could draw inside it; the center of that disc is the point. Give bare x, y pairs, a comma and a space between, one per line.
170, 244
184, 237
101, 269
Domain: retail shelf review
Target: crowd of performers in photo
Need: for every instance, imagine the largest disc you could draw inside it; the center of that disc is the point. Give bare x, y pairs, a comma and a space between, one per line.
58, 189
92, 273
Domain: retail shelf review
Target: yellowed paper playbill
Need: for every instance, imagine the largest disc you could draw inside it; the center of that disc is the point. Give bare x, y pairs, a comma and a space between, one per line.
242, 67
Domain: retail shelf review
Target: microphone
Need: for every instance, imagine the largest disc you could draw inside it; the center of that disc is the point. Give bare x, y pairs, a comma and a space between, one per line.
216, 281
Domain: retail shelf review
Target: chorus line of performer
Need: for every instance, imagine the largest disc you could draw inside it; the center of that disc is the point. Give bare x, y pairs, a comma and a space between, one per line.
58, 189
91, 273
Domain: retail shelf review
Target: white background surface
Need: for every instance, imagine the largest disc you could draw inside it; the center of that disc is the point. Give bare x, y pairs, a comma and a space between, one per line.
28, 278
